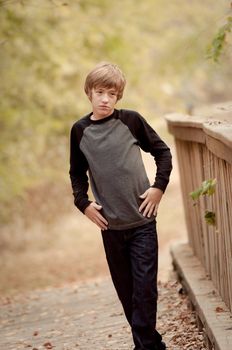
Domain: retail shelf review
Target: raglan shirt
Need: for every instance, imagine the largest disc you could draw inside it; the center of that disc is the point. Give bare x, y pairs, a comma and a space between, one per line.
107, 152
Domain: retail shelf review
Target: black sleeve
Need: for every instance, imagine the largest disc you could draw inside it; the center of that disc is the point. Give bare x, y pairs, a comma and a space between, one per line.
149, 141
78, 171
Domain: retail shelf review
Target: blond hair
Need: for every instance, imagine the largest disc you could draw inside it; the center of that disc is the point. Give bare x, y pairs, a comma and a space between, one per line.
106, 75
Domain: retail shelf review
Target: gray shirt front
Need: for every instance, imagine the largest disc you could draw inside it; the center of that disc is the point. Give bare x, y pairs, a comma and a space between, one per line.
109, 149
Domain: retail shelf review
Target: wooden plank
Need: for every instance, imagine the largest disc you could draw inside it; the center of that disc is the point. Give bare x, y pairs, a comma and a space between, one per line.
182, 153
187, 133
216, 145
206, 233
212, 311
218, 148
214, 120
220, 130
185, 120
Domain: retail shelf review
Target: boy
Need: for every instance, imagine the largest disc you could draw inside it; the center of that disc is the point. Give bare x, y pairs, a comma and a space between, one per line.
106, 143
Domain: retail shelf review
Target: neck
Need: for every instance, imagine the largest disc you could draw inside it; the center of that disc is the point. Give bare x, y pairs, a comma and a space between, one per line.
95, 116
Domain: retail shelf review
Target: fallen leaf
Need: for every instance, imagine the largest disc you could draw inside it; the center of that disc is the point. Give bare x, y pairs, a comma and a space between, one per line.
219, 309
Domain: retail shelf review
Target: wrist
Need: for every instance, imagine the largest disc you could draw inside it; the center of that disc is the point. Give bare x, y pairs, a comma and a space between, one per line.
85, 206
157, 189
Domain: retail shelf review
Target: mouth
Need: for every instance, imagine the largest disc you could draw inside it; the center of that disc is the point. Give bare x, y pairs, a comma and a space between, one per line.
104, 107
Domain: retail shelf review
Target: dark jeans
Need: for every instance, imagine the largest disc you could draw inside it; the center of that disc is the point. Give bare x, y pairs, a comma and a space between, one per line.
132, 256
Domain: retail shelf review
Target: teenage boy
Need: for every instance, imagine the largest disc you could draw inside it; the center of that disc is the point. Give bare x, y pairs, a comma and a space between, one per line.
106, 144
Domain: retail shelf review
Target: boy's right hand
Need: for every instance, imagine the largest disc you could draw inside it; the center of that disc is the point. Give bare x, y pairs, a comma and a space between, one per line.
93, 213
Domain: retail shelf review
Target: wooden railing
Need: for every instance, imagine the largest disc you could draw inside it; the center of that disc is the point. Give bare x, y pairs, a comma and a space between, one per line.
204, 150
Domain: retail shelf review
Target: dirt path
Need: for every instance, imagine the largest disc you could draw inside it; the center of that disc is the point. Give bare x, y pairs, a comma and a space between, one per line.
89, 316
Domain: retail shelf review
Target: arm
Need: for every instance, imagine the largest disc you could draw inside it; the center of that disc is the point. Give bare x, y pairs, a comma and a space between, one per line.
78, 172
80, 183
152, 143
149, 141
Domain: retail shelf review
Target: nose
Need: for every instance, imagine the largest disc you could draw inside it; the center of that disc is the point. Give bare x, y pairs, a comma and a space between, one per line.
105, 98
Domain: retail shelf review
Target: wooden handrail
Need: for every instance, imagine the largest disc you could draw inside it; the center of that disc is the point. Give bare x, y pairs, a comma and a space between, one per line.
213, 128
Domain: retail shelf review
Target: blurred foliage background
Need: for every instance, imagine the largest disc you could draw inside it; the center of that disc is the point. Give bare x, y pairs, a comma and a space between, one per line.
46, 49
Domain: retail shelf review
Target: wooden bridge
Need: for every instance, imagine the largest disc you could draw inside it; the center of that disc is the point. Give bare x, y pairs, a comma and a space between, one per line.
204, 150
89, 316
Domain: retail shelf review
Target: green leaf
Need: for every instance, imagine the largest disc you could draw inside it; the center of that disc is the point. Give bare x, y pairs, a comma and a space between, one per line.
210, 218
196, 194
212, 187
208, 187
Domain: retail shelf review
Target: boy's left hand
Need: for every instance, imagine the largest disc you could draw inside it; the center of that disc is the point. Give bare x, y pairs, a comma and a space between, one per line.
152, 196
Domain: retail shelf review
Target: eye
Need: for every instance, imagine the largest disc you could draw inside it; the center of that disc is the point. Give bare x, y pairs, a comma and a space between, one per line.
98, 90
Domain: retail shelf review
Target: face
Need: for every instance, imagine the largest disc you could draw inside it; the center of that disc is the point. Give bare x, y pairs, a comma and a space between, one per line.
103, 101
